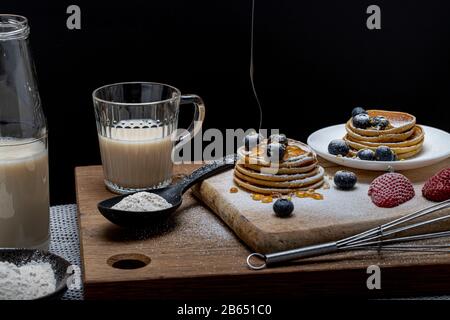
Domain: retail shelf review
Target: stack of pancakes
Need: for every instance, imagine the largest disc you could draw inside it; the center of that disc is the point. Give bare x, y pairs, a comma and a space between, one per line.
402, 135
297, 170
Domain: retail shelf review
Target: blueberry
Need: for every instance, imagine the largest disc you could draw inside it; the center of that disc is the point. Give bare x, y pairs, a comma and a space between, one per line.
358, 110
384, 153
366, 154
280, 138
283, 207
252, 140
275, 151
361, 121
345, 180
379, 122
338, 147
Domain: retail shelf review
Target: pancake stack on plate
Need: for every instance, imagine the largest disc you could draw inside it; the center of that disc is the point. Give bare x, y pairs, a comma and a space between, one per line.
402, 135
297, 170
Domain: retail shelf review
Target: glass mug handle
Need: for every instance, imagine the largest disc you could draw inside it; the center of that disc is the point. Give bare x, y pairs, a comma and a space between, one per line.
197, 121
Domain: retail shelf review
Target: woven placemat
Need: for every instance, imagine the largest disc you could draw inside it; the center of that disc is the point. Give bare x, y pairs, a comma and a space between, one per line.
65, 241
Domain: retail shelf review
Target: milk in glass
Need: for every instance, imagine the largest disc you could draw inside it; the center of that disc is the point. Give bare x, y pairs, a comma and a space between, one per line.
137, 157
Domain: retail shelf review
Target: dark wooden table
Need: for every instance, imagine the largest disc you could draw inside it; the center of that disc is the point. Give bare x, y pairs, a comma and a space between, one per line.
196, 256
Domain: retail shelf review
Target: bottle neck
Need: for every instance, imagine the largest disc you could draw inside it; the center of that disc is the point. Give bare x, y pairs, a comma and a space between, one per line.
21, 115
13, 27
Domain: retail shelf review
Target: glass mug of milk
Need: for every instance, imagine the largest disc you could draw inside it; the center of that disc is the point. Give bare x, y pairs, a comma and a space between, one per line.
24, 189
137, 129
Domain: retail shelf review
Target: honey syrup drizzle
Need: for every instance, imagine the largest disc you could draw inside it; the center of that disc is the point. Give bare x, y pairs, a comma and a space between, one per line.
299, 194
308, 194
234, 190
292, 151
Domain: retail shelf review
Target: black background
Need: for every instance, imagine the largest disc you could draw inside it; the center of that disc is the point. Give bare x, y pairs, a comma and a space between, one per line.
314, 61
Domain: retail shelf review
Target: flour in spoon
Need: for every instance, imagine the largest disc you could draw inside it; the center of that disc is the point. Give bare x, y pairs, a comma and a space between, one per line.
142, 201
29, 281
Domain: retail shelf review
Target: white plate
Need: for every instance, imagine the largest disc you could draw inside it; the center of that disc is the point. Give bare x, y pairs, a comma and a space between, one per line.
436, 147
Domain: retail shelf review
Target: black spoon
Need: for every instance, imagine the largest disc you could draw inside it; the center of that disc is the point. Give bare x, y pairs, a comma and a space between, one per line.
173, 194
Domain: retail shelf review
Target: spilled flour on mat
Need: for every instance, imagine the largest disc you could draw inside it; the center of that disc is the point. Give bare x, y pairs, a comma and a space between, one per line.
30, 281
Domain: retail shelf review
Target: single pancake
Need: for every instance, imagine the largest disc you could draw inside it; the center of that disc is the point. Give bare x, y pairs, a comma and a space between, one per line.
414, 139
399, 122
266, 190
276, 177
397, 150
382, 137
278, 170
292, 184
401, 156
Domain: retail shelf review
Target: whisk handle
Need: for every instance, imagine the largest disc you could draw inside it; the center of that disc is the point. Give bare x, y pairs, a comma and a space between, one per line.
305, 252
294, 254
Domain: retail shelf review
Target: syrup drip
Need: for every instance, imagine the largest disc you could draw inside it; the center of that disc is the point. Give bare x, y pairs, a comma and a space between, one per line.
234, 190
262, 197
309, 194
258, 151
292, 151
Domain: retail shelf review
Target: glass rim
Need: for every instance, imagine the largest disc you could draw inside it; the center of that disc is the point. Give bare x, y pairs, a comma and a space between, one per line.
18, 24
44, 136
97, 99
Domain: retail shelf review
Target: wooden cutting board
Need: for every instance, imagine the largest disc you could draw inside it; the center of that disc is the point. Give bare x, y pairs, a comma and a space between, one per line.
195, 255
340, 214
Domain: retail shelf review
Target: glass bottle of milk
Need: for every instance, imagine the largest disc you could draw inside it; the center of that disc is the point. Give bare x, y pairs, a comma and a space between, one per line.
24, 191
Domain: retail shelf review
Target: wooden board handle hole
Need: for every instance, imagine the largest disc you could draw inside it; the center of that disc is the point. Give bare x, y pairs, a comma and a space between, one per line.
128, 261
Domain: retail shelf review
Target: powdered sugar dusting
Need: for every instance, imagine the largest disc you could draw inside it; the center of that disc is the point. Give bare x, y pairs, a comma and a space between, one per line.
204, 224
339, 214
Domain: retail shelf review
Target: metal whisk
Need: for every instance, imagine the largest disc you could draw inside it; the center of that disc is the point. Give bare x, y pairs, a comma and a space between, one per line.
379, 238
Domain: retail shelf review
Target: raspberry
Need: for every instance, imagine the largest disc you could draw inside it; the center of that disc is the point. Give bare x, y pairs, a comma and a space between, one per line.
390, 190
437, 188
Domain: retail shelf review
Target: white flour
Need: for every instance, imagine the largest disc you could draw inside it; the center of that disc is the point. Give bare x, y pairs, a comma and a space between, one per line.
142, 201
30, 281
